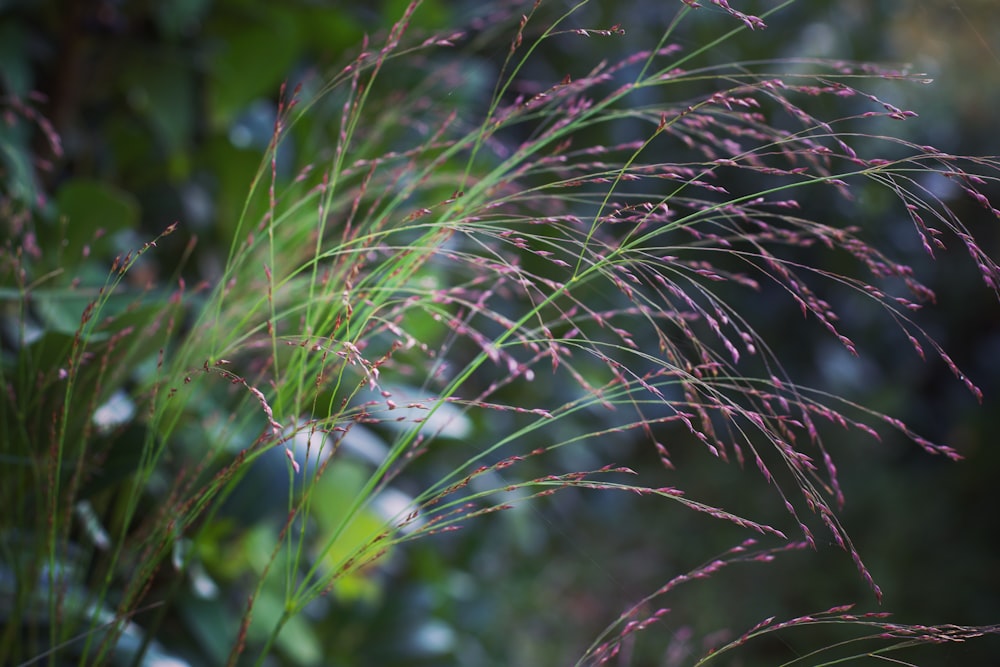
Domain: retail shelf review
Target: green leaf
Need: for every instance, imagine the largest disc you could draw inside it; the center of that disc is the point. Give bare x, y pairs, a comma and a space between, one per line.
298, 641
251, 59
93, 211
162, 90
233, 169
19, 181
328, 32
332, 496
432, 14
61, 310
214, 628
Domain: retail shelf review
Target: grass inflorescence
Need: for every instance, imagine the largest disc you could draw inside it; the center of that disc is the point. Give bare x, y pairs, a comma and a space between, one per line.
484, 287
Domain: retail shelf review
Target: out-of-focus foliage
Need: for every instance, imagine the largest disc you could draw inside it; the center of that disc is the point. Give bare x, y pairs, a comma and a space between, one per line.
121, 118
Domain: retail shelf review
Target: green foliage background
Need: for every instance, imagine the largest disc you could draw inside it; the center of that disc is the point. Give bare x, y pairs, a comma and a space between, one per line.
163, 111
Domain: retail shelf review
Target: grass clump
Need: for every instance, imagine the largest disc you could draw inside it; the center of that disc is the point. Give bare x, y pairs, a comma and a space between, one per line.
449, 311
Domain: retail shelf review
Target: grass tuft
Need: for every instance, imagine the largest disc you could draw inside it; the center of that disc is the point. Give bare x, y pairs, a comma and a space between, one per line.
459, 301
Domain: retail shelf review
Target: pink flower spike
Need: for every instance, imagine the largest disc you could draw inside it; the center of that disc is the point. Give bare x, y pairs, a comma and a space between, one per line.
291, 457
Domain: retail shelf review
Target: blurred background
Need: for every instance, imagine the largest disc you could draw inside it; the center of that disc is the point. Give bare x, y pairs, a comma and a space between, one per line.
163, 111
